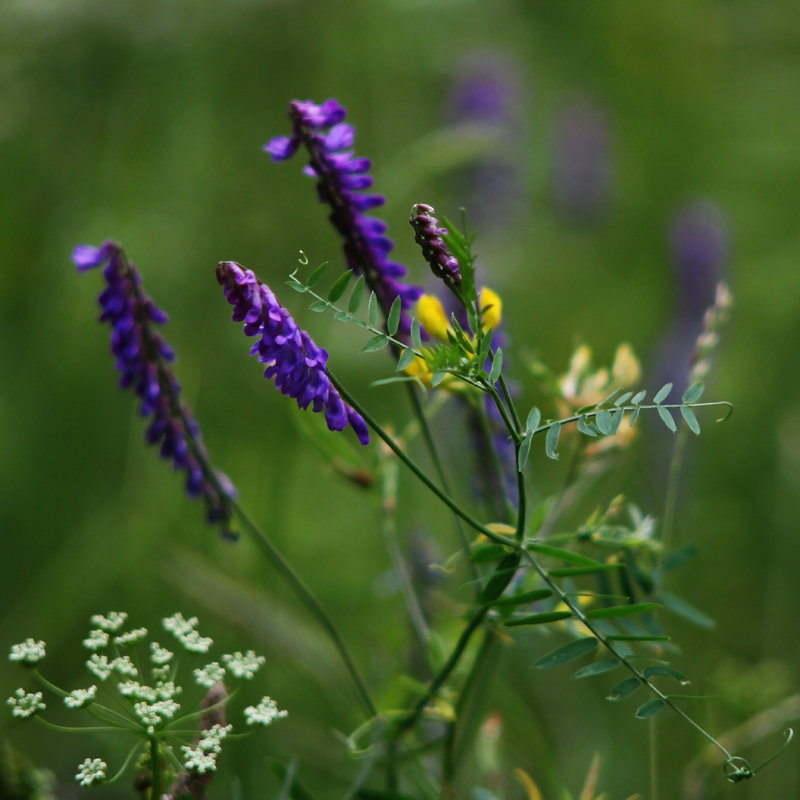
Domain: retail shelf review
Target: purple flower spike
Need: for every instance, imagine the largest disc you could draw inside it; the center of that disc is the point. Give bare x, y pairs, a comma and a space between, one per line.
429, 237
341, 180
293, 360
142, 358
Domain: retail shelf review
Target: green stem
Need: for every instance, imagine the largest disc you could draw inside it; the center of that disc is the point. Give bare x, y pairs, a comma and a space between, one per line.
398, 451
311, 602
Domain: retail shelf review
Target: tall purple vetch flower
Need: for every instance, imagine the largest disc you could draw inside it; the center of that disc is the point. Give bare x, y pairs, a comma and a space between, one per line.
143, 358
294, 361
342, 179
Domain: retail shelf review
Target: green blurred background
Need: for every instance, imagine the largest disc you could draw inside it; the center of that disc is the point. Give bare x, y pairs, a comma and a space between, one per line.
144, 121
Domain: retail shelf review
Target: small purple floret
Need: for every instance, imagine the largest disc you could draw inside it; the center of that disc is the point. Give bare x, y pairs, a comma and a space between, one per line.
294, 361
341, 179
142, 358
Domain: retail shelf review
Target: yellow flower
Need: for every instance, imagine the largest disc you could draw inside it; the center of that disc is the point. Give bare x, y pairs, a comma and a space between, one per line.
626, 369
432, 317
492, 308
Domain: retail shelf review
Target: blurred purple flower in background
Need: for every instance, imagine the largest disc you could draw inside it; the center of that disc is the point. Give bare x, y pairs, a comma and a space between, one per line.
142, 358
698, 243
487, 94
582, 167
342, 179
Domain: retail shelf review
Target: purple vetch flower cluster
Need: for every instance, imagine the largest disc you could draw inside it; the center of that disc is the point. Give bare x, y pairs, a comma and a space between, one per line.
293, 360
142, 358
429, 237
341, 181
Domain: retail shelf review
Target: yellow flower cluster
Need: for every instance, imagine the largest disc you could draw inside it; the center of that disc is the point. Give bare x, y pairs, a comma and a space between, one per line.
433, 319
582, 386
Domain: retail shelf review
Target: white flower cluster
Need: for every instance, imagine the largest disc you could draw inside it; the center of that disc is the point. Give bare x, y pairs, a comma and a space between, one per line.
28, 652
26, 704
264, 713
151, 701
203, 758
110, 623
91, 771
243, 665
184, 631
80, 698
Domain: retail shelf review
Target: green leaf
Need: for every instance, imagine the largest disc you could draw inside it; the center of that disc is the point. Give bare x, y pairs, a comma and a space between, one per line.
569, 572
616, 419
612, 612
586, 427
406, 358
319, 305
692, 394
597, 668
375, 343
567, 652
343, 316
437, 376
563, 555
393, 320
488, 552
603, 420
690, 419
295, 284
662, 393
608, 398
497, 366
686, 610
373, 310
416, 339
313, 278
649, 672
638, 397
534, 417
524, 451
634, 416
551, 441
623, 398
355, 298
651, 708
538, 619
531, 596
500, 578
624, 689
338, 288
666, 418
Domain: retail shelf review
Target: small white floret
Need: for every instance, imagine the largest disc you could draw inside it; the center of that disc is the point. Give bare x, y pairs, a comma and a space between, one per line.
265, 713
92, 770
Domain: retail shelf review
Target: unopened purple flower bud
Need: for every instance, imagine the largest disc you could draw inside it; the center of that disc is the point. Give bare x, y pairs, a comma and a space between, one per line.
142, 359
429, 237
341, 180
294, 361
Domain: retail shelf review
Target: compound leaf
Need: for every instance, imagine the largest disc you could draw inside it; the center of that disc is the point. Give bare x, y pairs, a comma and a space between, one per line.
567, 652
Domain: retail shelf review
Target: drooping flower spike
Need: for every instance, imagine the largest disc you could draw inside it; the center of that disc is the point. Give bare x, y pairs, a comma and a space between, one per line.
142, 358
293, 360
342, 179
429, 237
